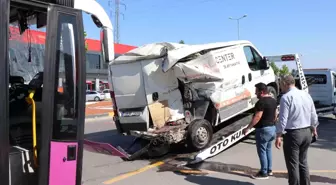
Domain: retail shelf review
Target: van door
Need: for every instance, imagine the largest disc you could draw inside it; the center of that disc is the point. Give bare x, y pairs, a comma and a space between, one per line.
254, 73
62, 127
233, 93
129, 96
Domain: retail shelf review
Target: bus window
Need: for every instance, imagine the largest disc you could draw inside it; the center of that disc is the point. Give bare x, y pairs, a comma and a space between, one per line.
65, 127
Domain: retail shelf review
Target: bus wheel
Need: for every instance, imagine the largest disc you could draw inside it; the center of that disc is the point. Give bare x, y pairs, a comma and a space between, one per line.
199, 134
272, 91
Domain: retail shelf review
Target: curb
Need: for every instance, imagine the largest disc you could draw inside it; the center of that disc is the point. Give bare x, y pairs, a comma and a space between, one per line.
110, 114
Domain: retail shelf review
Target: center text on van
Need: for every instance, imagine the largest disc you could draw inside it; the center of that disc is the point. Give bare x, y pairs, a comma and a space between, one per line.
224, 57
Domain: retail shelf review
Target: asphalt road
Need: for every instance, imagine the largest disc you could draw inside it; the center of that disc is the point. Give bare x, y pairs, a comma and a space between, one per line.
231, 167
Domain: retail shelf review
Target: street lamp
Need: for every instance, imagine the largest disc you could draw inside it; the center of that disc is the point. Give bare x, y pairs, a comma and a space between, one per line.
237, 19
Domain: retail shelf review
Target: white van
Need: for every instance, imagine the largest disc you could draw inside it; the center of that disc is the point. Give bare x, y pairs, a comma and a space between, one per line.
322, 85
178, 92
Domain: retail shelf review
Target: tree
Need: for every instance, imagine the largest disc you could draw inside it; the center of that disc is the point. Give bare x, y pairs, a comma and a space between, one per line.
181, 42
275, 68
284, 70
280, 71
86, 44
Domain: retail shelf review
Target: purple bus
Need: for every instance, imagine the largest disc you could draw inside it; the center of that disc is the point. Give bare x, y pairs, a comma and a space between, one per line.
42, 117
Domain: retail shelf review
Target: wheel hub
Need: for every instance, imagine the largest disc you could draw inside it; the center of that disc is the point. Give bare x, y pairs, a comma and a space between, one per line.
202, 134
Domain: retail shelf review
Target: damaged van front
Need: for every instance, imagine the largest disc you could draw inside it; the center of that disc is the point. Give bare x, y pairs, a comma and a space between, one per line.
146, 98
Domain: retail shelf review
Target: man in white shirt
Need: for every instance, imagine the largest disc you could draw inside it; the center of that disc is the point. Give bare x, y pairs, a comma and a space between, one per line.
298, 118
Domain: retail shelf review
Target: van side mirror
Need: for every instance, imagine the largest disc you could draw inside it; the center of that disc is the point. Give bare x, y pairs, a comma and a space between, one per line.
264, 64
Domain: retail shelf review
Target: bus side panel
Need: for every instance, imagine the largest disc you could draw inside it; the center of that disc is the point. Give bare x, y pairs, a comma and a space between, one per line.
63, 163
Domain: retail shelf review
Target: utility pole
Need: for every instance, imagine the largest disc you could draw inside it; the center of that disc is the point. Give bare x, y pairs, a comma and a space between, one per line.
117, 12
117, 20
238, 19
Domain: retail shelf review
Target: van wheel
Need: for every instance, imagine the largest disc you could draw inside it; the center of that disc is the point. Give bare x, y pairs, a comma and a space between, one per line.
96, 98
272, 91
199, 134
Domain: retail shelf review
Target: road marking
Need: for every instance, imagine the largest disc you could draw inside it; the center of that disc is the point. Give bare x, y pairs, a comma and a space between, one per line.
129, 174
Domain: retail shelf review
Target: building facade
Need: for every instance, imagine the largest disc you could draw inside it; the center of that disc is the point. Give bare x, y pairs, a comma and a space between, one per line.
96, 69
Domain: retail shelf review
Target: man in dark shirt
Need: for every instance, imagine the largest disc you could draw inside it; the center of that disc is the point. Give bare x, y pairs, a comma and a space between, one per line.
264, 123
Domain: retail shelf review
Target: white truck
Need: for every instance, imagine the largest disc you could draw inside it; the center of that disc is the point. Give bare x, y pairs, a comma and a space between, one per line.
175, 93
319, 83
323, 85
322, 88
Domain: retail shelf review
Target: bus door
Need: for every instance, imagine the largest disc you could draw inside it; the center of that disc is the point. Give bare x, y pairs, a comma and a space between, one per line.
62, 128
4, 120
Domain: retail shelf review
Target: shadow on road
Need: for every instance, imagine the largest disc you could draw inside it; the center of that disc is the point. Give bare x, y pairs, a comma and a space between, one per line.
234, 169
326, 135
205, 180
247, 171
313, 178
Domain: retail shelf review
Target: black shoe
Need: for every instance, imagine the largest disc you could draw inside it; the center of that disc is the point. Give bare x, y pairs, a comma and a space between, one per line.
260, 175
270, 173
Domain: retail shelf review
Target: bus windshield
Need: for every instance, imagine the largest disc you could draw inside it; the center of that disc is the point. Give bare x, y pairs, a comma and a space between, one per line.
26, 52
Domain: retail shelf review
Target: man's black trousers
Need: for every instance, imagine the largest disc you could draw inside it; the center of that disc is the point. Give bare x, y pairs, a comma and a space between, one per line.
295, 144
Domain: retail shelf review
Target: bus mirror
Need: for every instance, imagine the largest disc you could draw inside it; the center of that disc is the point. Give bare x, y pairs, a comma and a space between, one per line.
107, 44
102, 50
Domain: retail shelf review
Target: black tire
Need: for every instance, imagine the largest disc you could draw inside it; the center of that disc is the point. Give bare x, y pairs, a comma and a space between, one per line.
96, 98
272, 91
193, 140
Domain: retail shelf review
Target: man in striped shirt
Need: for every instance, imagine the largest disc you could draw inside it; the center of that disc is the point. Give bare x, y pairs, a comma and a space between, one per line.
297, 124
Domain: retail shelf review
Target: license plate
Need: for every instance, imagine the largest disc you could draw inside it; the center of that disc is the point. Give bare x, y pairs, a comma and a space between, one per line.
130, 114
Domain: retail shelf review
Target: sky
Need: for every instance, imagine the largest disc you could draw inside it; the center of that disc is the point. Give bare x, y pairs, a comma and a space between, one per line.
306, 27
